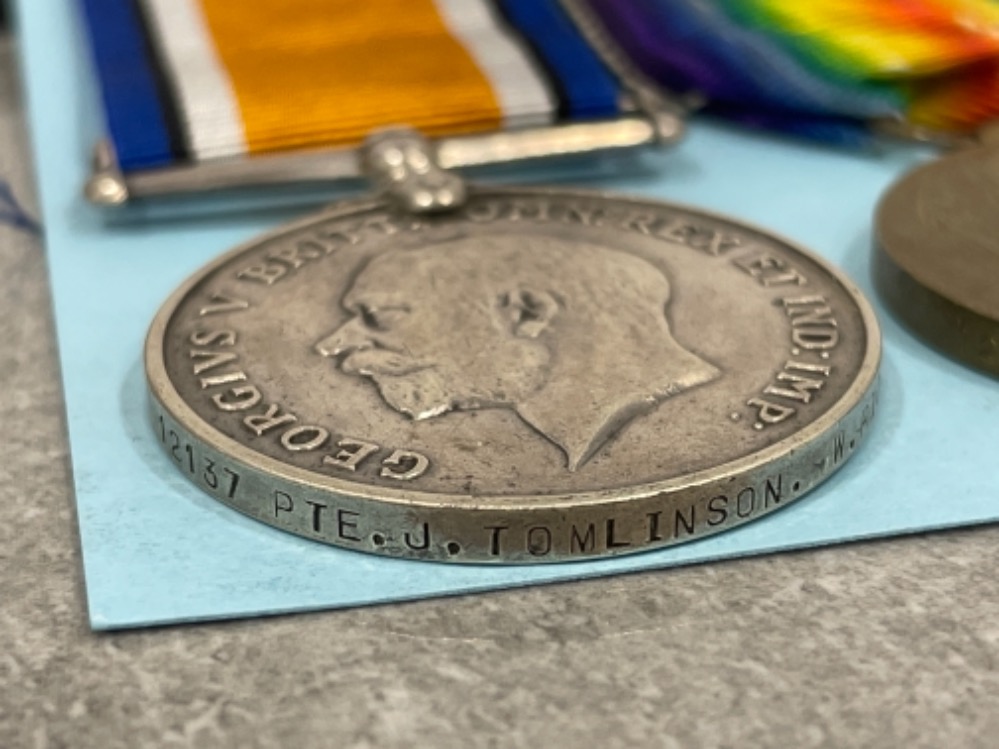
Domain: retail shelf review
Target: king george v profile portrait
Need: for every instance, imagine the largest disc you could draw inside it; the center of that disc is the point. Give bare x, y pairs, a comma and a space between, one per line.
572, 337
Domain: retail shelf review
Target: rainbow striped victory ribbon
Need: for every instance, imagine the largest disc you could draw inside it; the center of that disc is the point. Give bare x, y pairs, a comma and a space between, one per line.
203, 94
823, 68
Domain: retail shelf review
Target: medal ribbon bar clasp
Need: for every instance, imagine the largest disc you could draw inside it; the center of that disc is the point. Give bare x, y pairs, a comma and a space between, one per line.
202, 95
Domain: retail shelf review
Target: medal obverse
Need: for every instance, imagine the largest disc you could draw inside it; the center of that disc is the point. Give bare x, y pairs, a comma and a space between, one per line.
538, 376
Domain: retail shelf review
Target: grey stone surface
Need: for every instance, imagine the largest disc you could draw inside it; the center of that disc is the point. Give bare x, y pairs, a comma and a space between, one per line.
891, 644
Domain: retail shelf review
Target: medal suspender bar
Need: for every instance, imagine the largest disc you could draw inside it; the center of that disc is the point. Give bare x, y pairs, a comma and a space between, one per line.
200, 96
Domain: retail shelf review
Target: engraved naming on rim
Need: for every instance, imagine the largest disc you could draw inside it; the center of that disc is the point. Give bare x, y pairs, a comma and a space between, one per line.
538, 376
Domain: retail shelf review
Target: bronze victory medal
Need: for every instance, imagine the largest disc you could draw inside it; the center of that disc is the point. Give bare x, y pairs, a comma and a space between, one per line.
538, 376
937, 262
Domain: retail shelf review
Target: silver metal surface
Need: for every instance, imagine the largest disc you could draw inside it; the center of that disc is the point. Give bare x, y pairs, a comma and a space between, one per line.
109, 187
405, 168
539, 376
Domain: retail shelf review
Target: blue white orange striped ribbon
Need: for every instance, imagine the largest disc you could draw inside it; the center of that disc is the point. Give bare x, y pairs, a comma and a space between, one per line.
205, 79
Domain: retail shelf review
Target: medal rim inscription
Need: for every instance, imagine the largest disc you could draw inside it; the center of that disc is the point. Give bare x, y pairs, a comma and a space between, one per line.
931, 308
860, 394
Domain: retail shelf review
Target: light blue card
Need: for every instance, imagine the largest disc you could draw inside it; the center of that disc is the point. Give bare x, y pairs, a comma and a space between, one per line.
157, 550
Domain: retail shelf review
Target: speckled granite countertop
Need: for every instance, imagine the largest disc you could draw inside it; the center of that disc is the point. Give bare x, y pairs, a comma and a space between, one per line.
892, 644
